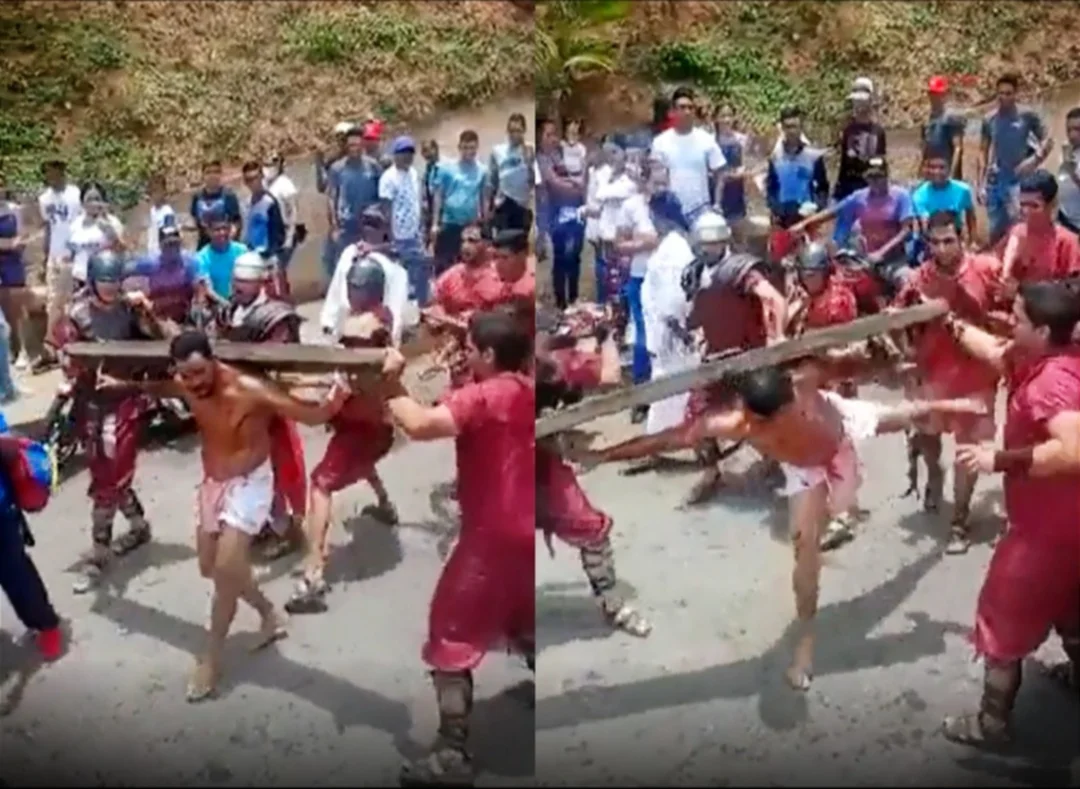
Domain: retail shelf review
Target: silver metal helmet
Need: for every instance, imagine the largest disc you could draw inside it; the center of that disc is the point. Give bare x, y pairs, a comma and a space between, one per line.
813, 257
251, 267
711, 228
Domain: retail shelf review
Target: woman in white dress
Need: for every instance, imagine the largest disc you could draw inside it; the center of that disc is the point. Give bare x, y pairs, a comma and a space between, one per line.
92, 231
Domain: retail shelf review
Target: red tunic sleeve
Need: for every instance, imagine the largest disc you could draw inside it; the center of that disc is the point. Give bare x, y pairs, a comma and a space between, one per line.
466, 406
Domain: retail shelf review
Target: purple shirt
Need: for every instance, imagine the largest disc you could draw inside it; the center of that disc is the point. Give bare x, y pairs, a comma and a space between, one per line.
880, 218
170, 285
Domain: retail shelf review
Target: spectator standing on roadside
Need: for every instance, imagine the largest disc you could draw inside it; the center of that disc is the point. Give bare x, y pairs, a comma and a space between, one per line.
214, 199
161, 214
400, 191
265, 232
939, 193
323, 161
1013, 144
733, 145
944, 129
459, 200
285, 192
58, 205
94, 230
1069, 174
861, 140
430, 151
353, 187
510, 179
574, 153
691, 155
216, 259
565, 197
13, 292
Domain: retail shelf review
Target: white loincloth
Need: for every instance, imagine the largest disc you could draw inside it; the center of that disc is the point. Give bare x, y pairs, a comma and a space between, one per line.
242, 503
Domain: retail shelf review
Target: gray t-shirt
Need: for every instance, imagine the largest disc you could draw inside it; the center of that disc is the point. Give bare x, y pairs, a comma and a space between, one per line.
939, 131
1068, 190
1014, 136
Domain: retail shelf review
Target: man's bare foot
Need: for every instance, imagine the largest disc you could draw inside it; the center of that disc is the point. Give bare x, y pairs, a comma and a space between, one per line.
801, 672
272, 629
203, 682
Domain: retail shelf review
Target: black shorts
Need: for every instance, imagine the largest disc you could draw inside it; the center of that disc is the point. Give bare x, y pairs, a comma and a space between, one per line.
511, 215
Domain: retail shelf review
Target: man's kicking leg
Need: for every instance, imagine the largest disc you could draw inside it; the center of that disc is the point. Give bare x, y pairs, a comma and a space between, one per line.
598, 561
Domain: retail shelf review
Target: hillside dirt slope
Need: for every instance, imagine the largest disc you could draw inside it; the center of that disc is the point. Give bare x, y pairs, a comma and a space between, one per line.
123, 87
764, 54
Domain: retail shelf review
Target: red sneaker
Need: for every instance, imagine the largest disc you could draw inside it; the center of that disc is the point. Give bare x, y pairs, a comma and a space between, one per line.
50, 643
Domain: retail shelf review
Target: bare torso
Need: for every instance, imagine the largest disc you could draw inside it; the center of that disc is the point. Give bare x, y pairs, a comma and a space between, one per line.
234, 425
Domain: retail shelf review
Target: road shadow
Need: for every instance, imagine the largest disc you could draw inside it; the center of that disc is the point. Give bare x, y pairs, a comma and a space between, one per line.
503, 735
567, 612
985, 523
122, 570
348, 704
373, 549
20, 662
844, 646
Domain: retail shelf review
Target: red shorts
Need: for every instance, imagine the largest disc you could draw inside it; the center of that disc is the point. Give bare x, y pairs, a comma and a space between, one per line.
351, 455
1031, 587
485, 599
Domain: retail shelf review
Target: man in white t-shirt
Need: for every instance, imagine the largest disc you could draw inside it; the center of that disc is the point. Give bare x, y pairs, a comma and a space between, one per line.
58, 205
400, 194
692, 156
282, 188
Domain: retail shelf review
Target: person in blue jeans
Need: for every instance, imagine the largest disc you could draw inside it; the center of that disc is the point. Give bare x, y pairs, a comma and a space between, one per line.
401, 194
1014, 142
565, 196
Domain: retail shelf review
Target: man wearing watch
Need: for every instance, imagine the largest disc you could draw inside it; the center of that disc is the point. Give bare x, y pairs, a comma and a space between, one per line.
1032, 582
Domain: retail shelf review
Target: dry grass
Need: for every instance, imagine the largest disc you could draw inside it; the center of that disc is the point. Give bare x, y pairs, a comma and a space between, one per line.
132, 86
763, 53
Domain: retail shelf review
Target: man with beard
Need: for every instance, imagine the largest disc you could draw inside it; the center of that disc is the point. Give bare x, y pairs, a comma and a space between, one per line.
737, 308
968, 283
101, 314
1032, 582
812, 434
252, 315
486, 594
233, 412
361, 437
567, 367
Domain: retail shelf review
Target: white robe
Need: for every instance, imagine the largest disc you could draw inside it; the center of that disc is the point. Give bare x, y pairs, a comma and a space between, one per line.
662, 297
336, 306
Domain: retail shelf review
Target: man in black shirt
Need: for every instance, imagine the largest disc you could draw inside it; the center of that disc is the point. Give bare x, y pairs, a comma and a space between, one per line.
861, 140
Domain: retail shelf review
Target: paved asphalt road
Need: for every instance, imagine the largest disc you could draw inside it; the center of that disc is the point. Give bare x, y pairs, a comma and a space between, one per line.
703, 701
338, 703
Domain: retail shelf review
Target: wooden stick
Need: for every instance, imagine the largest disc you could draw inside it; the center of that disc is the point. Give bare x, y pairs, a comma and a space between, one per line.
291, 357
809, 343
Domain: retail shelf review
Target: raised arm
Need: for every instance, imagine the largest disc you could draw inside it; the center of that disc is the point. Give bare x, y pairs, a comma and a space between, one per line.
978, 343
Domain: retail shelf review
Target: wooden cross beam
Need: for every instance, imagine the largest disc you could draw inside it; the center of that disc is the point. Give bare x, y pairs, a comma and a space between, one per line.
265, 357
809, 343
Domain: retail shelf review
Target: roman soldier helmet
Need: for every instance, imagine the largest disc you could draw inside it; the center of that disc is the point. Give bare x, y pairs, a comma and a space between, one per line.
366, 275
711, 228
106, 266
813, 257
251, 267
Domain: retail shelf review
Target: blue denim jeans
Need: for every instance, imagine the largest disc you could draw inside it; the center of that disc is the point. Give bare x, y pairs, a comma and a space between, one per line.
600, 272
7, 386
567, 239
641, 367
410, 253
1001, 206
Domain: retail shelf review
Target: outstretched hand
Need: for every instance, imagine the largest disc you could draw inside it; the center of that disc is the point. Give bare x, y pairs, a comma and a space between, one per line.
975, 459
964, 405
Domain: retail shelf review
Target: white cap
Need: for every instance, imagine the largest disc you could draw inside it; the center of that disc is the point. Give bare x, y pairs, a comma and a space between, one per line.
860, 95
711, 228
250, 267
344, 127
863, 83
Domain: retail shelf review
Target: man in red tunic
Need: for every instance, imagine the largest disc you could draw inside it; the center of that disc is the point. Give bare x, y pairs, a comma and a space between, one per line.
1038, 247
510, 251
111, 421
486, 594
361, 437
469, 285
737, 308
968, 282
566, 367
1032, 584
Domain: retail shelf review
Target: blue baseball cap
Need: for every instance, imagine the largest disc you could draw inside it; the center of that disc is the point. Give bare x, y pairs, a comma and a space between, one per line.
403, 144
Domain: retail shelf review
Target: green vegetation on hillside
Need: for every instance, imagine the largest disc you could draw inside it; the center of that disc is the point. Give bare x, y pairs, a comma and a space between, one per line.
122, 89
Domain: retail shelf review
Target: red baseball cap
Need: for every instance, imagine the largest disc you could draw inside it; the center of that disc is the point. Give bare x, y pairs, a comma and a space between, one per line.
373, 130
938, 84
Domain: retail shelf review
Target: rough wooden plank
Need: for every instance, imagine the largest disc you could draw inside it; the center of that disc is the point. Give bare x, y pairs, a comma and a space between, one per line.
265, 356
809, 343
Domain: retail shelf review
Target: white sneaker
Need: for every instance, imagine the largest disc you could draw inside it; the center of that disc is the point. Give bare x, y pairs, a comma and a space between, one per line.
23, 362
